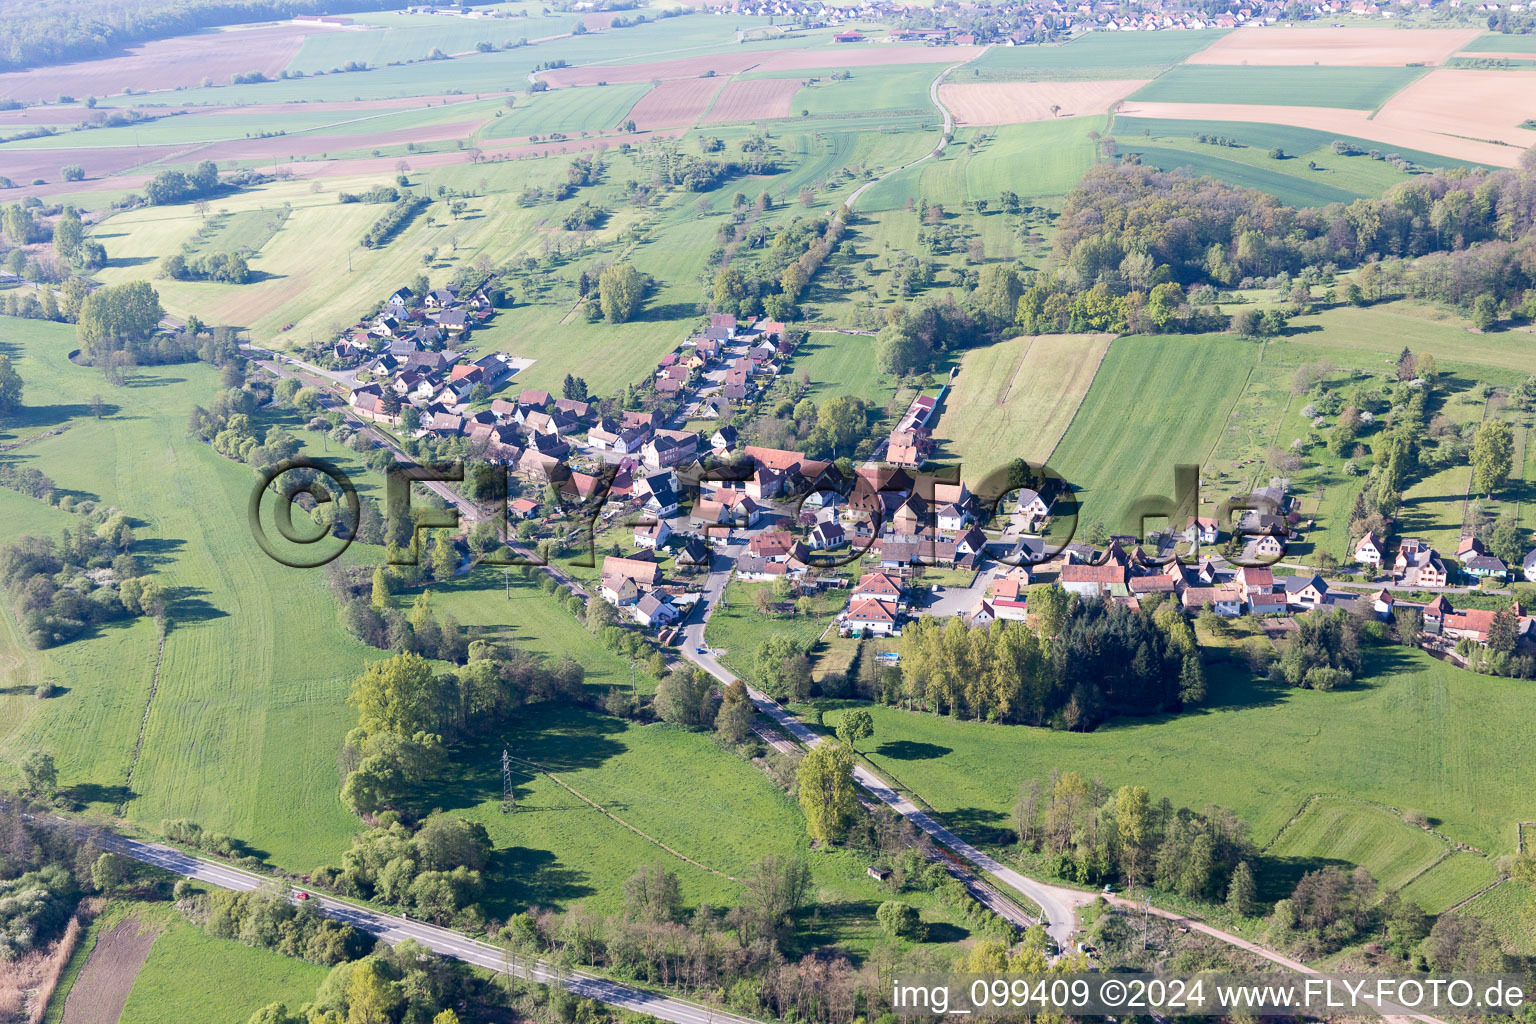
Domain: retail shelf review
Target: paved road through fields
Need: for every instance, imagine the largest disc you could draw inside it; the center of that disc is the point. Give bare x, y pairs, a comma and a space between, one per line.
395, 930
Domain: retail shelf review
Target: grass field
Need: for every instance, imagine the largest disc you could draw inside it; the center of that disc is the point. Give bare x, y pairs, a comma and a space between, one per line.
1352, 88
398, 36
1359, 173
1449, 881
1095, 55
680, 787
738, 627
592, 108
1359, 834
870, 90
1045, 158
1494, 42
1511, 910
1154, 403
244, 727
1262, 750
1292, 189
191, 978
843, 364
1015, 399
1385, 328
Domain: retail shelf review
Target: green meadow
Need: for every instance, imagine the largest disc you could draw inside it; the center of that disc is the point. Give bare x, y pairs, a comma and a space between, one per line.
1095, 55
1351, 88
592, 108
1154, 403
190, 978
1265, 750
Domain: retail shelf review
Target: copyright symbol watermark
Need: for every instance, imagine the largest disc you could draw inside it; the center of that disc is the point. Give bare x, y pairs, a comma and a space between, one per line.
314, 545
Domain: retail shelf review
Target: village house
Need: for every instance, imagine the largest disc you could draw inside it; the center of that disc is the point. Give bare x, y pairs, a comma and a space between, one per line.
1225, 599
723, 440
1369, 551
757, 569
880, 586
1030, 508
652, 534
623, 576
1382, 603
1418, 565
659, 494
872, 616
653, 610
1256, 579
668, 448
1306, 591
522, 508
1269, 604
728, 508
1094, 580
1201, 530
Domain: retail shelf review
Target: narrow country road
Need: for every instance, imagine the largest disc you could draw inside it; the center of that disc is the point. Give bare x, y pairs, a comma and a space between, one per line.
1058, 903
938, 150
395, 930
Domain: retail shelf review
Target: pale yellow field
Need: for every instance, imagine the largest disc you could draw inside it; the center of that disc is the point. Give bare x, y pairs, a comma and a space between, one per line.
1020, 102
1354, 46
1400, 131
1015, 399
1469, 104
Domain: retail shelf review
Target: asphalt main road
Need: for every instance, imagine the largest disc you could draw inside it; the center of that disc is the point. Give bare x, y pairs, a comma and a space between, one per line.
395, 930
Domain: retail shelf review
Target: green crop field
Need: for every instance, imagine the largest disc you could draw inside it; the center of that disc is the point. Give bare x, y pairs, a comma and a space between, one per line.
398, 37
1361, 834
1495, 42
1015, 399
1254, 141
191, 978
1449, 881
1261, 749
1511, 910
1124, 442
1352, 88
1302, 188
870, 90
593, 108
1095, 55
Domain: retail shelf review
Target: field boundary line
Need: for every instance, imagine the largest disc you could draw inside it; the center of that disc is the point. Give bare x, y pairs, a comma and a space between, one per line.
1014, 379
1096, 366
609, 814
1487, 888
138, 746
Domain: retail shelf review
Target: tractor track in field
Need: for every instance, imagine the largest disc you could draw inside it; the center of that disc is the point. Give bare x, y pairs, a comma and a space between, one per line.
138, 744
